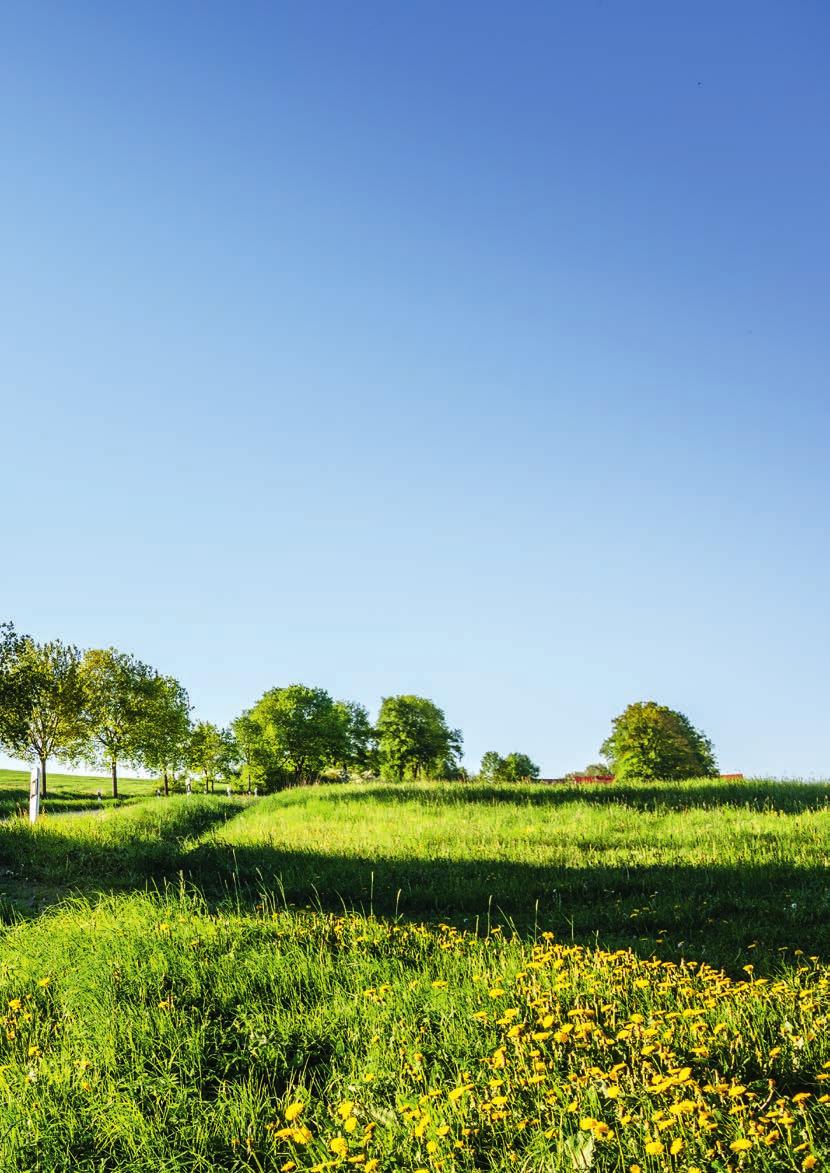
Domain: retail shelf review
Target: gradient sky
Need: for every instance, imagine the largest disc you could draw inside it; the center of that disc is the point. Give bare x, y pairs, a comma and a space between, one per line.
473, 350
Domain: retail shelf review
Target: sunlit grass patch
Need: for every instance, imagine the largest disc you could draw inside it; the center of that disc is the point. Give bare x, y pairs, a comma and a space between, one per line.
146, 1033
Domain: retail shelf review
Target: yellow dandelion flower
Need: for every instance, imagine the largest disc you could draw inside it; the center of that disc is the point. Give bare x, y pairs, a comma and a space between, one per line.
654, 1148
293, 1111
339, 1146
741, 1145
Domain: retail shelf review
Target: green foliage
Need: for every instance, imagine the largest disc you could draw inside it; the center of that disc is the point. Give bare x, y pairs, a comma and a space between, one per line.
50, 718
166, 730
596, 769
414, 740
142, 1033
118, 690
359, 749
516, 767
15, 693
491, 764
652, 742
212, 753
293, 734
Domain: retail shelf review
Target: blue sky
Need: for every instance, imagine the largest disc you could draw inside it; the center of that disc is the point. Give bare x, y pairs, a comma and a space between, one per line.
471, 350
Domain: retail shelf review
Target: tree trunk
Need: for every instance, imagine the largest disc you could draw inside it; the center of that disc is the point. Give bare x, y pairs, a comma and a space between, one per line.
114, 778
166, 785
43, 777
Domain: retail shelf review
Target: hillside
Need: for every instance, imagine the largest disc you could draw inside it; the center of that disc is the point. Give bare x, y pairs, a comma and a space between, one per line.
616, 976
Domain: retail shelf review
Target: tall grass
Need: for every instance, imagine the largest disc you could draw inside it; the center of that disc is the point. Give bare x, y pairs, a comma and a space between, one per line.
703, 868
143, 1033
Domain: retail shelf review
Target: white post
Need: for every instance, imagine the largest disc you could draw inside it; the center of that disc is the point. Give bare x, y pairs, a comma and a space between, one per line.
34, 794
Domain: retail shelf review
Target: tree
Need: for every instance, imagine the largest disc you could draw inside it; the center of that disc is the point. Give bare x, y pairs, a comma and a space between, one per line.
294, 733
414, 739
118, 693
491, 766
212, 753
50, 720
516, 767
165, 731
653, 742
358, 750
251, 749
519, 768
15, 693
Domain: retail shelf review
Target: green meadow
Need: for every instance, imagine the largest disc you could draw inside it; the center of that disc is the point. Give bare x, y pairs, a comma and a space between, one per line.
435, 977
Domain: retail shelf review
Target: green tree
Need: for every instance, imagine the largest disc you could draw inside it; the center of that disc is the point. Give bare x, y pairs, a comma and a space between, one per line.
212, 753
165, 731
50, 717
652, 742
252, 750
519, 768
15, 690
118, 694
296, 732
516, 767
415, 741
358, 750
491, 766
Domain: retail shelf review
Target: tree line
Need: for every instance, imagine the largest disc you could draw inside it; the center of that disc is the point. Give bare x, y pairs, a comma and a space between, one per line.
108, 709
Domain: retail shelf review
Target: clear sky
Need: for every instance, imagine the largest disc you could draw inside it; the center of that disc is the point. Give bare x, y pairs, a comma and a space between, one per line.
473, 350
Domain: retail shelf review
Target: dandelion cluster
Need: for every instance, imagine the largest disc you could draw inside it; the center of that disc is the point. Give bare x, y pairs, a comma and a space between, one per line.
304, 1041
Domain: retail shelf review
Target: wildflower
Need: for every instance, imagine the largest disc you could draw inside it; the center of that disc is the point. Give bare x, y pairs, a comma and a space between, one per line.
293, 1111
339, 1146
741, 1145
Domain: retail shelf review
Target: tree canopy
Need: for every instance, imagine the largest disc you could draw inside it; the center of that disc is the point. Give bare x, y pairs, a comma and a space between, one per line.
654, 742
118, 692
212, 754
47, 717
165, 733
15, 689
414, 740
516, 767
294, 733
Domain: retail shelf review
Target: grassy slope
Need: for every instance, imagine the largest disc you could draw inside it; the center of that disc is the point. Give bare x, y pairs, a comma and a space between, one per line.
705, 869
67, 792
170, 1038
146, 1035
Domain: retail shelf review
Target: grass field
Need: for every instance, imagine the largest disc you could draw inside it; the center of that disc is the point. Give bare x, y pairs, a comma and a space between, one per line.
68, 792
425, 977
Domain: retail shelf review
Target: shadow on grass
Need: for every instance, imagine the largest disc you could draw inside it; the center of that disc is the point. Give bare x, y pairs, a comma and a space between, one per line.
712, 912
143, 845
726, 915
